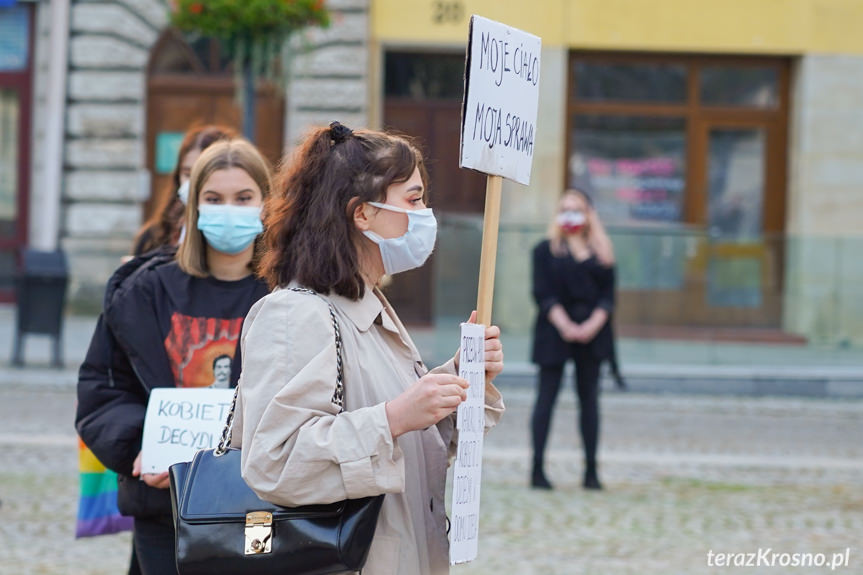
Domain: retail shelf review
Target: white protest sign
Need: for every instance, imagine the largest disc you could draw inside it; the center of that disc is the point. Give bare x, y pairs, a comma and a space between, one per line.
501, 100
467, 471
179, 422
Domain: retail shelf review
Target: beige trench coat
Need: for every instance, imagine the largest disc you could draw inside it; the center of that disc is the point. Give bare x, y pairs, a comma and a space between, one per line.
298, 449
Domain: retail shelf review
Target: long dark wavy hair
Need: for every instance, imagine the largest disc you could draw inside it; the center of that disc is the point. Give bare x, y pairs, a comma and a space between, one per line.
310, 233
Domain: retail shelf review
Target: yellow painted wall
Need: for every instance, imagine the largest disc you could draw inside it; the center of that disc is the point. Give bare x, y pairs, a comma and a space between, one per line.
724, 26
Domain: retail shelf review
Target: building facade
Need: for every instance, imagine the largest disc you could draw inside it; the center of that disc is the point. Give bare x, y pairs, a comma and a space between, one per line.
98, 102
718, 140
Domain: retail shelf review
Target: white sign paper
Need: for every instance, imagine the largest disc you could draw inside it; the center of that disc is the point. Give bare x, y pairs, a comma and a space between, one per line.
467, 471
501, 100
181, 421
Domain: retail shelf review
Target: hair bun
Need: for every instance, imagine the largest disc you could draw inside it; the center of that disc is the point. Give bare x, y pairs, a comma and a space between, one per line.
339, 132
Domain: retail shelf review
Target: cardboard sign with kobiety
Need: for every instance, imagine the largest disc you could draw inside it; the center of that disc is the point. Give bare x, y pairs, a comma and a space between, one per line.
467, 470
501, 100
179, 422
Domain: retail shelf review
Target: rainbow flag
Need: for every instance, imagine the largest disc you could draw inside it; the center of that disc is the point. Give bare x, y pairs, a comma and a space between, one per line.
97, 505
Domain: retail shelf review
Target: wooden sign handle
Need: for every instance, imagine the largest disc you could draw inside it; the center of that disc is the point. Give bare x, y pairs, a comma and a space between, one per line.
488, 257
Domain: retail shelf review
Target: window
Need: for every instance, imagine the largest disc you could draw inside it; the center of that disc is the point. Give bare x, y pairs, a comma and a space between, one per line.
628, 82
634, 166
423, 76
756, 87
642, 137
684, 158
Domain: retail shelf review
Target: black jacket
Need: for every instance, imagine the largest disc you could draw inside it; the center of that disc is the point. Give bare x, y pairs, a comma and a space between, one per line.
126, 359
580, 287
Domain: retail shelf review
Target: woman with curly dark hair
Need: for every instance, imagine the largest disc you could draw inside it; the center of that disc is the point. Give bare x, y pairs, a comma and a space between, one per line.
351, 208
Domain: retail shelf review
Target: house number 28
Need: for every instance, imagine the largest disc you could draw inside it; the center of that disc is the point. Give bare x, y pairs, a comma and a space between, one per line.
444, 12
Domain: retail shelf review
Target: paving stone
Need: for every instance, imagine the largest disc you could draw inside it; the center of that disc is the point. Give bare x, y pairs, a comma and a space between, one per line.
683, 475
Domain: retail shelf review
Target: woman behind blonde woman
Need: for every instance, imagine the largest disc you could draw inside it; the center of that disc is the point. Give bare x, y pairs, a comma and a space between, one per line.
163, 229
352, 208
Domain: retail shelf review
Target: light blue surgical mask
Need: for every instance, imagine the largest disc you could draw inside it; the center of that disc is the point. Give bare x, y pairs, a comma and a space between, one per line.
412, 249
229, 229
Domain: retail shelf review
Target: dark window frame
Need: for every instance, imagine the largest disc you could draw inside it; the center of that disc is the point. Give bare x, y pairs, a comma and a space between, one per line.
22, 82
699, 119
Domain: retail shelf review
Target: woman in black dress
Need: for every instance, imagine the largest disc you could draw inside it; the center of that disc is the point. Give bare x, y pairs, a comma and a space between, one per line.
573, 285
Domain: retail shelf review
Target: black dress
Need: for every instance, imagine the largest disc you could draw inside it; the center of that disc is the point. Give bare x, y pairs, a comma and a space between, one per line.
580, 287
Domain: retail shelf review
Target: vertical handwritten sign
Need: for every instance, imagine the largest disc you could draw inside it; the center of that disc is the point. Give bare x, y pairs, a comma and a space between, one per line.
501, 100
179, 422
467, 472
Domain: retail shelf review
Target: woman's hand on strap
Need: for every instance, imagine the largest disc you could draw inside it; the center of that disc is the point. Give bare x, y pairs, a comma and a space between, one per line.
493, 351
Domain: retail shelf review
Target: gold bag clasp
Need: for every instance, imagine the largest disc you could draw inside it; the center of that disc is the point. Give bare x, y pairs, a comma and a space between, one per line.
259, 532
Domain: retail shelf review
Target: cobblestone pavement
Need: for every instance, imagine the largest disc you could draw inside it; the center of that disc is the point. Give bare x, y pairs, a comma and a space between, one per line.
683, 476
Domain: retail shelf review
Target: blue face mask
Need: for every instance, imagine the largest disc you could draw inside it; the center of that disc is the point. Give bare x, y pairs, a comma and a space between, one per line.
229, 229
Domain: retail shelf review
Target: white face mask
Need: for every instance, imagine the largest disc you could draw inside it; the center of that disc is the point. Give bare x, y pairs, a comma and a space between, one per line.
183, 192
412, 249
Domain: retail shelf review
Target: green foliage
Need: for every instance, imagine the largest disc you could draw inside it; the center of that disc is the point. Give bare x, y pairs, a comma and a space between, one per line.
233, 20
251, 30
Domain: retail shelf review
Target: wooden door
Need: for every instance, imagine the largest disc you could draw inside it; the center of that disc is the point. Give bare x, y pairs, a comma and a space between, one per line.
192, 85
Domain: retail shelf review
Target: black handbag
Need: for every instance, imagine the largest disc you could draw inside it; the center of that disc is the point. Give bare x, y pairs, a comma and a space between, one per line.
222, 527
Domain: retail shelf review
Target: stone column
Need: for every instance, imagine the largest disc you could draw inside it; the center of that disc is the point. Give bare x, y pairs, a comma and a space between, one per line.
329, 72
104, 173
824, 270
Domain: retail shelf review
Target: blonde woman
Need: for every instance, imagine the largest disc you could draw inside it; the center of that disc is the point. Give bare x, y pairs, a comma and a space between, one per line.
171, 323
573, 286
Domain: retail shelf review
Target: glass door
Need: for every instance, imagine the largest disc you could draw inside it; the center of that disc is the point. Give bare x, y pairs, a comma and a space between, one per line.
740, 262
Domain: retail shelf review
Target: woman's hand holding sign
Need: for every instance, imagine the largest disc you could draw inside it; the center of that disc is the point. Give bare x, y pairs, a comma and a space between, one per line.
433, 397
436, 395
157, 480
493, 351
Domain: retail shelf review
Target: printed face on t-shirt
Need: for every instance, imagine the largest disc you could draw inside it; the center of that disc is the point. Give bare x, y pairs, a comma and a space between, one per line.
201, 349
222, 371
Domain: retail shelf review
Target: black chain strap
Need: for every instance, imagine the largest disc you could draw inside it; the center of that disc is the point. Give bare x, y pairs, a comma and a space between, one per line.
338, 396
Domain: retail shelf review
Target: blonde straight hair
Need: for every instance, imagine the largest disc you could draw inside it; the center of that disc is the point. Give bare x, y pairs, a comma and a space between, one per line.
223, 155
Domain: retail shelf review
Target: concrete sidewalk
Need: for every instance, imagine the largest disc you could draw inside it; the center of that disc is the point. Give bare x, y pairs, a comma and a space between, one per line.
683, 475
651, 366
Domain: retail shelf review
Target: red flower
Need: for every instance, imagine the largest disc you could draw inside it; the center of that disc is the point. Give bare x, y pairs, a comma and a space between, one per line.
319, 5
196, 8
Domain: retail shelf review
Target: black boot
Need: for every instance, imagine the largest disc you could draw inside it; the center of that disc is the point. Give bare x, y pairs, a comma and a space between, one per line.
591, 481
538, 480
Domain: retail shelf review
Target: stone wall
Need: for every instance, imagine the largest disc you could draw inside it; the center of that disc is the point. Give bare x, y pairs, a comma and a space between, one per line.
105, 176
329, 72
105, 181
824, 270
